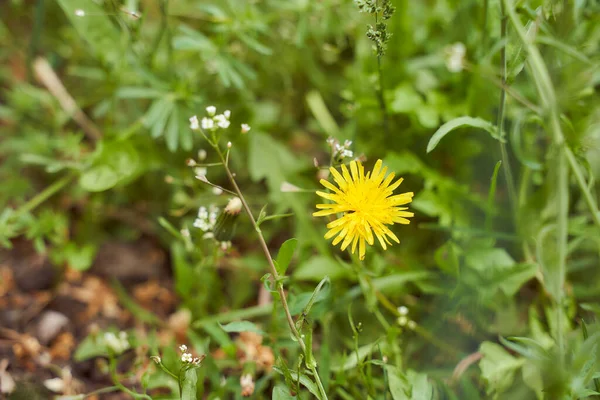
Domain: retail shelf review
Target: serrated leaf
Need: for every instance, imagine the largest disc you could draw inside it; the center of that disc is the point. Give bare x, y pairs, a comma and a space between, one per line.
286, 252
459, 123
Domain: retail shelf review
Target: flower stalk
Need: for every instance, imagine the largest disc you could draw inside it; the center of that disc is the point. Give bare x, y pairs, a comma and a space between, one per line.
272, 268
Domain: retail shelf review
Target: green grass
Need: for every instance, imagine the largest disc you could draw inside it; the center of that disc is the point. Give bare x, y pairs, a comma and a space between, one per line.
484, 297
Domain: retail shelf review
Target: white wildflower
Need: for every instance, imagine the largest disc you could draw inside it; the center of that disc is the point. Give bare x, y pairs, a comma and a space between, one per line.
202, 154
402, 320
208, 123
411, 325
217, 191
245, 128
455, 57
403, 310
183, 348
227, 114
229, 145
80, 13
194, 123
200, 171
117, 344
211, 110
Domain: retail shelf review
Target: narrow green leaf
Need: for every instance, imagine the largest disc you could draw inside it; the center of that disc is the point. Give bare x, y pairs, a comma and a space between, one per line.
461, 122
286, 252
491, 197
172, 132
242, 326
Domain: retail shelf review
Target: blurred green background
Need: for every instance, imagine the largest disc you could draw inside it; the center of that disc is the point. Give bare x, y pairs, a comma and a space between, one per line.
488, 109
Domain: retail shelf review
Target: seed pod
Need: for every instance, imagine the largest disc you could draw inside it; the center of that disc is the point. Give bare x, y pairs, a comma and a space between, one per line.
226, 222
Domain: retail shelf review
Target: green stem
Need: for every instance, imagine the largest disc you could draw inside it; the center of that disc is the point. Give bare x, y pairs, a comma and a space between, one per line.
380, 91
115, 379
44, 195
273, 269
500, 119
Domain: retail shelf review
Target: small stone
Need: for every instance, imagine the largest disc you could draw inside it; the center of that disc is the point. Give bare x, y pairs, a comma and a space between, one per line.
50, 325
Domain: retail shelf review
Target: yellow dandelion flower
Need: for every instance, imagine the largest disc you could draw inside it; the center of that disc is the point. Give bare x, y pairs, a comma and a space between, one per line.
366, 204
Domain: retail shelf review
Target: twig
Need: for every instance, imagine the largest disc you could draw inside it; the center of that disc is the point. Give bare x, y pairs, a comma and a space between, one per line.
46, 75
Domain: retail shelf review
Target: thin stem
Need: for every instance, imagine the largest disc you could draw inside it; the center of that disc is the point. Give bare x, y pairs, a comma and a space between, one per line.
380, 92
44, 195
484, 35
500, 120
273, 269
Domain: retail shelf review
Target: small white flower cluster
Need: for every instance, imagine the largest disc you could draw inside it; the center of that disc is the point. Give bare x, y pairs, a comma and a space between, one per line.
403, 318
215, 121
117, 344
187, 357
212, 122
455, 57
340, 151
79, 13
206, 218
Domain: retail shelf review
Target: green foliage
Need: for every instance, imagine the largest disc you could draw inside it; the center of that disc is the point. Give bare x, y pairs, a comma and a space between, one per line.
499, 263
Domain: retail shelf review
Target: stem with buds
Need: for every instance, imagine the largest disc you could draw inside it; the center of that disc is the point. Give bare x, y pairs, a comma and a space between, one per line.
273, 270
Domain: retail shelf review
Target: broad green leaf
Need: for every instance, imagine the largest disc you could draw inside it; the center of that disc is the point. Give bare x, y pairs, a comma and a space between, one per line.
397, 383
242, 326
99, 178
188, 388
459, 123
281, 392
498, 367
284, 257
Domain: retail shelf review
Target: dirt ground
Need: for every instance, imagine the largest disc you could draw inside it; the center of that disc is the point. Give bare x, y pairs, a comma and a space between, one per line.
45, 312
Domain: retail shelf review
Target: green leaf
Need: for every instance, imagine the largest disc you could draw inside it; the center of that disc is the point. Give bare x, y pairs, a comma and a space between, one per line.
172, 132
284, 257
498, 367
316, 268
399, 387
132, 92
281, 392
96, 28
188, 389
99, 178
117, 162
461, 122
242, 326
79, 258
